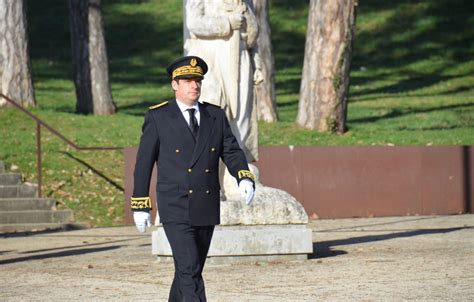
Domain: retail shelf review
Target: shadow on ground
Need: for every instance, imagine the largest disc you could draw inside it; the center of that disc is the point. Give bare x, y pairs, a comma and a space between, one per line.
326, 249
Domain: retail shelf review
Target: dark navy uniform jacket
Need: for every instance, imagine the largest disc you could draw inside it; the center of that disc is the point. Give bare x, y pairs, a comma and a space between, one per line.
188, 169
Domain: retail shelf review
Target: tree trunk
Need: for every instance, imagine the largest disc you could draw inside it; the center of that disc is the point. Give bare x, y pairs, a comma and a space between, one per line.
15, 67
265, 91
91, 75
79, 27
325, 79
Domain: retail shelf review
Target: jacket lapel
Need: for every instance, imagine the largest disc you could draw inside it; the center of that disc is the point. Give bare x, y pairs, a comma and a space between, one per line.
206, 126
179, 123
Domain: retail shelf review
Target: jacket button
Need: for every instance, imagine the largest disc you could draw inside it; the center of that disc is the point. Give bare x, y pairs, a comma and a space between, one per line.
190, 191
189, 170
208, 192
207, 171
213, 149
177, 151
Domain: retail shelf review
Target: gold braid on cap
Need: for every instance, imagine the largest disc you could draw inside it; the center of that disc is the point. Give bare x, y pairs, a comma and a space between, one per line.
141, 203
246, 174
187, 70
191, 69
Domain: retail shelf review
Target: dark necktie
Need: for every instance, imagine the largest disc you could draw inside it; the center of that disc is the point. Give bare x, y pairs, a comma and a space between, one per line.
193, 123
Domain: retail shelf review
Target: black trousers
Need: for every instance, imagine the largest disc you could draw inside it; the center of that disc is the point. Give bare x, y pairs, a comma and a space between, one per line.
189, 245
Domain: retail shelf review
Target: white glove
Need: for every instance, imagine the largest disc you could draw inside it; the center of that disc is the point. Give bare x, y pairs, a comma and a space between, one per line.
142, 220
246, 190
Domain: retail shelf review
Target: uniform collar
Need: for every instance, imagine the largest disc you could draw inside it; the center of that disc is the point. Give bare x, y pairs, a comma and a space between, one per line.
183, 107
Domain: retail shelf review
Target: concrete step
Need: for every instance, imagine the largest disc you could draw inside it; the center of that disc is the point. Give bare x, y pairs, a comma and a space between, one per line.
38, 227
23, 190
10, 179
27, 204
2, 167
21, 217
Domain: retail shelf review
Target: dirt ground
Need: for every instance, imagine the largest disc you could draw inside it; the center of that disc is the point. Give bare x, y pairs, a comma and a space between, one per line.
423, 258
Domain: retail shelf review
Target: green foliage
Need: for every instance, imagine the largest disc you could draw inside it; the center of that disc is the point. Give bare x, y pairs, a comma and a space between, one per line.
411, 84
412, 74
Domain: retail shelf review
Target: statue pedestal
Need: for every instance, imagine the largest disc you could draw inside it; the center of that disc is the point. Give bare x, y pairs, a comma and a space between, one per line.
248, 243
273, 228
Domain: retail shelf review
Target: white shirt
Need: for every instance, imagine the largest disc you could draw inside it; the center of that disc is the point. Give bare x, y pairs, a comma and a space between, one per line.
184, 110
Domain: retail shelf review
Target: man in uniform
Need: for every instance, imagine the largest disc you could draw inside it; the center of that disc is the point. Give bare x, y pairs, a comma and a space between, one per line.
186, 139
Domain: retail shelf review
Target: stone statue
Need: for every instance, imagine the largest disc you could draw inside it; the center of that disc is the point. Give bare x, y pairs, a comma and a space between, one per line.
270, 205
223, 33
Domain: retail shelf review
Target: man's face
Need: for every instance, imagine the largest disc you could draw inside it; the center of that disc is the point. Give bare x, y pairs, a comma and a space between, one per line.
187, 91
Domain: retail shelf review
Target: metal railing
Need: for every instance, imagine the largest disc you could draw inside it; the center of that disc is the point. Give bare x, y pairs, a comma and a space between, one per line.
39, 123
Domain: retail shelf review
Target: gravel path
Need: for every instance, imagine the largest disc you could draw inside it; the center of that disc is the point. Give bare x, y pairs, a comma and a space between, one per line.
424, 258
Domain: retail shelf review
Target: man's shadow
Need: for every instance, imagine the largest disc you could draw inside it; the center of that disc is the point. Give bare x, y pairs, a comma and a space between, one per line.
326, 249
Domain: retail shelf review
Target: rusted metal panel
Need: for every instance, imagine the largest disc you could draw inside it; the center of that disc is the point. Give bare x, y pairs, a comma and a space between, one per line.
338, 182
442, 180
335, 182
356, 181
130, 154
469, 178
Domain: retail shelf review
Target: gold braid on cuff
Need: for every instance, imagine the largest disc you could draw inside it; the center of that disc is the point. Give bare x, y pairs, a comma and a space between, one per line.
141, 203
246, 174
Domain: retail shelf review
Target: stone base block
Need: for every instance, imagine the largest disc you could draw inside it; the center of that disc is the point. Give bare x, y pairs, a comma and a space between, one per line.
226, 260
234, 244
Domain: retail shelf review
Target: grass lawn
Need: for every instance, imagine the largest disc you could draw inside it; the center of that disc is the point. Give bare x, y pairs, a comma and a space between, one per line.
411, 84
